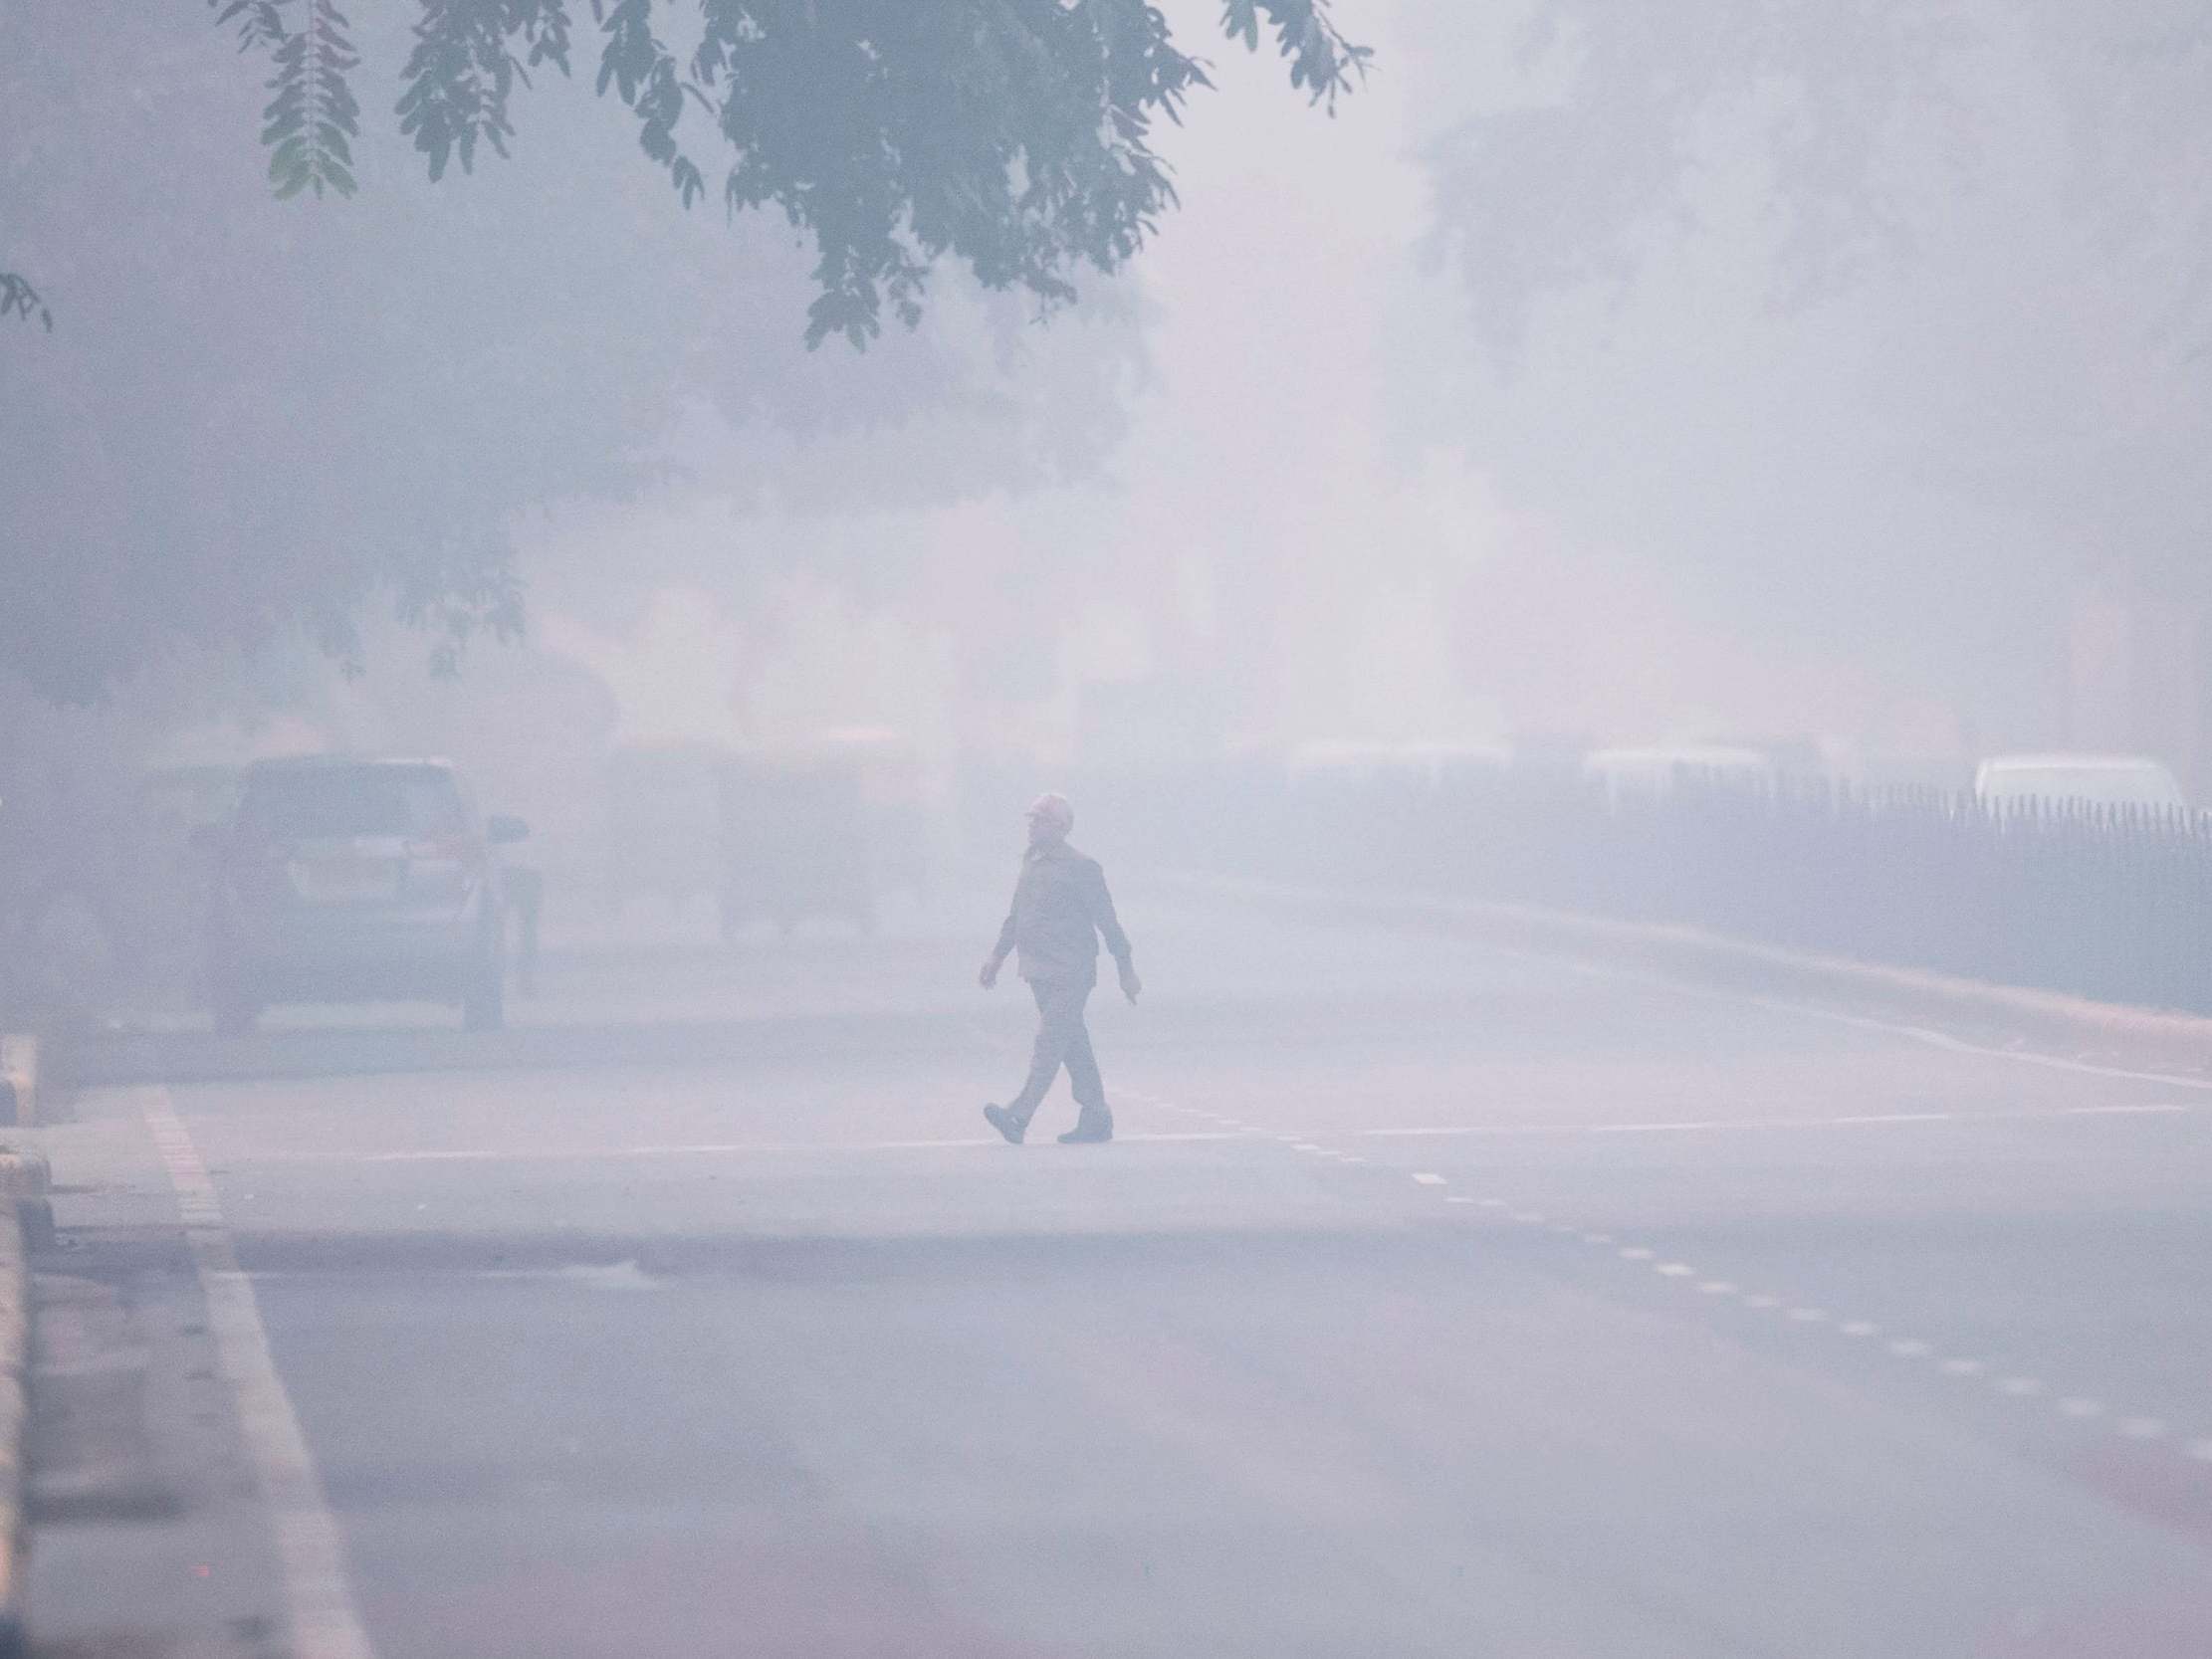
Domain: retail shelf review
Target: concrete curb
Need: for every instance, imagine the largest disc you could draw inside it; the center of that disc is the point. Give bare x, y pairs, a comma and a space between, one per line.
19, 1080
15, 1401
2180, 1040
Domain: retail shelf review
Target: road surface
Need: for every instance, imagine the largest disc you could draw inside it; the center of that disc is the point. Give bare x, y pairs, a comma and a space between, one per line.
1434, 1301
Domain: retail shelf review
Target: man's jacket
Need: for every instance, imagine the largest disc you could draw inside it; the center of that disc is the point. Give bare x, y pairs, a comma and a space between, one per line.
1060, 908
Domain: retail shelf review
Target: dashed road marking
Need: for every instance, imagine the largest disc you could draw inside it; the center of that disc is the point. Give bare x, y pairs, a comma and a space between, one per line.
2019, 1387
1809, 1316
1426, 1178
1718, 1287
1762, 1302
1910, 1347
1860, 1328
1675, 1270
1635, 1253
1961, 1367
2076, 1405
2141, 1428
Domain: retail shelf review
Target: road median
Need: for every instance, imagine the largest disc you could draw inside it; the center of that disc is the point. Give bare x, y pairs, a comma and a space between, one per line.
2007, 1013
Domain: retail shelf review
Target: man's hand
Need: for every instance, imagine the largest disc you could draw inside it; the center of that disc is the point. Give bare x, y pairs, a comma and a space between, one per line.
1131, 986
990, 975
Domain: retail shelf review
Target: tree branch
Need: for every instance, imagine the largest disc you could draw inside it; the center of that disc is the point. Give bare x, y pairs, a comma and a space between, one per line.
19, 298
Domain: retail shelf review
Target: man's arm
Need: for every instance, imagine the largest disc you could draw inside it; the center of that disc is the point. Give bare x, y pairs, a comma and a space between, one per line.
999, 954
1110, 929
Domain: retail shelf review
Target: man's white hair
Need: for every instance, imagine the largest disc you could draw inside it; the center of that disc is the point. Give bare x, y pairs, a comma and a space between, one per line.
1055, 810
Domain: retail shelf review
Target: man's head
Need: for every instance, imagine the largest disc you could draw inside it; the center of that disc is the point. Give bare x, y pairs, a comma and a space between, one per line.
1051, 820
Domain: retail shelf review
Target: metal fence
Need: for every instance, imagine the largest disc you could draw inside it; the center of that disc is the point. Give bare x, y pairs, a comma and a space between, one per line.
2110, 903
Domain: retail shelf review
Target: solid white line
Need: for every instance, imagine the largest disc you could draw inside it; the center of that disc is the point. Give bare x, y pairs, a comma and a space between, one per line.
2152, 1110
709, 1148
1709, 1125
319, 1598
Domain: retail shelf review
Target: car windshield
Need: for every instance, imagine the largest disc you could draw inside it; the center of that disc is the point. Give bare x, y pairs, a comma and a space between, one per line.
336, 802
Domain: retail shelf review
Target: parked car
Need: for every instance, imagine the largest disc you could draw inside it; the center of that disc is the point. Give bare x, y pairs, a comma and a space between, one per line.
345, 880
2006, 782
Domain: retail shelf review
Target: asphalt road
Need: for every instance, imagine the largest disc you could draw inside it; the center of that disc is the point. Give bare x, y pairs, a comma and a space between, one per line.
1433, 1302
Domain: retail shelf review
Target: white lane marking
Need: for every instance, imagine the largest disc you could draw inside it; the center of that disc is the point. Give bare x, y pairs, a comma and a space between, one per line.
1718, 1287
1635, 1253
1762, 1302
1597, 1238
1527, 1218
2201, 1450
1706, 1126
1458, 1198
1582, 965
707, 1148
1305, 1146
1860, 1328
2075, 1406
1809, 1316
1959, 1045
1675, 1270
1425, 1179
1910, 1347
319, 1598
2143, 1428
1961, 1367
2019, 1387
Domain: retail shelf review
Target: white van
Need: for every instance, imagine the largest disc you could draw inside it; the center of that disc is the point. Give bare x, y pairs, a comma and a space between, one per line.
2006, 782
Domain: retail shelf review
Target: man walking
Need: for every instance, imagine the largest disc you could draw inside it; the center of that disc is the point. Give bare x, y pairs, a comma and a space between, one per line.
1060, 908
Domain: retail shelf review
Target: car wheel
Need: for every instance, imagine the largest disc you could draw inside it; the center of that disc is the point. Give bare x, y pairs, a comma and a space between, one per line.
485, 1007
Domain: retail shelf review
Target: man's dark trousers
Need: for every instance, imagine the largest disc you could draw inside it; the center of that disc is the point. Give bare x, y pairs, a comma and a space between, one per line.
1062, 1039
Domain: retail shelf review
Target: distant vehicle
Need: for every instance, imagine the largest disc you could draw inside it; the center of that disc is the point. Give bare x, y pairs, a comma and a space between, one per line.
1422, 765
660, 832
2006, 782
345, 880
793, 843
1661, 770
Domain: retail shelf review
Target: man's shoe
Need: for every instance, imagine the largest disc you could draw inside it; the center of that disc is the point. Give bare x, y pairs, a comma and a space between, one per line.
1088, 1131
1005, 1123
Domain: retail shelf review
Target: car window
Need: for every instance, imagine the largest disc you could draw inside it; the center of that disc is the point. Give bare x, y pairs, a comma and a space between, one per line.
306, 805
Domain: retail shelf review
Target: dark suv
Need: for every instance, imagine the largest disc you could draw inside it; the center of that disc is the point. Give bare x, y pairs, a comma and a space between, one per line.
346, 879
